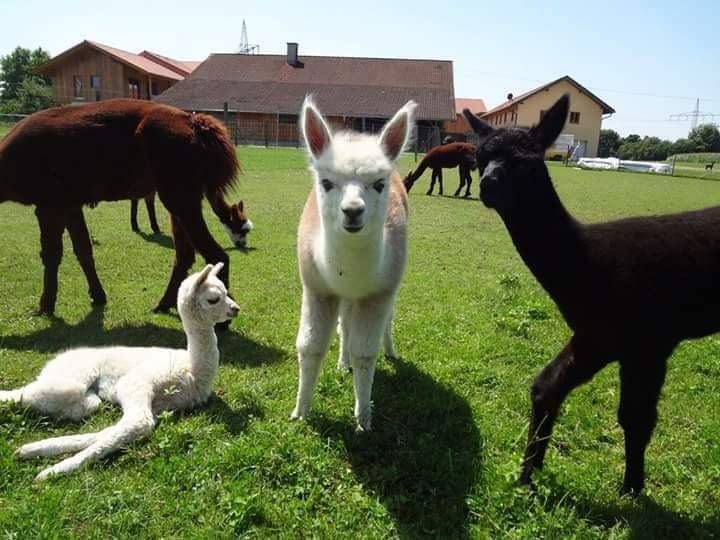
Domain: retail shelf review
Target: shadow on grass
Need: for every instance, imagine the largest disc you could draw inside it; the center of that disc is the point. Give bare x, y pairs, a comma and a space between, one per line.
422, 457
644, 517
161, 239
235, 348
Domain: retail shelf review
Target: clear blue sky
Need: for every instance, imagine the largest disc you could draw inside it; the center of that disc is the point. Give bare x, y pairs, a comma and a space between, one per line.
646, 59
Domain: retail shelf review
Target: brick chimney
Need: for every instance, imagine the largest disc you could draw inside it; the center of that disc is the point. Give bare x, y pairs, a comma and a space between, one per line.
292, 54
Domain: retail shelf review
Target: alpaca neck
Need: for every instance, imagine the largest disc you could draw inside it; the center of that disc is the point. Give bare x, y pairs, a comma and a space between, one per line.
548, 239
220, 208
359, 254
203, 354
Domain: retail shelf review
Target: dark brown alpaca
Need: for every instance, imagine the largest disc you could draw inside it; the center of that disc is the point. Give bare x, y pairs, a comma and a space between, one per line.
61, 159
233, 217
446, 156
630, 290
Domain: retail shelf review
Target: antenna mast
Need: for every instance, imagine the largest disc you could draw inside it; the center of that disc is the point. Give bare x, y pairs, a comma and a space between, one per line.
245, 47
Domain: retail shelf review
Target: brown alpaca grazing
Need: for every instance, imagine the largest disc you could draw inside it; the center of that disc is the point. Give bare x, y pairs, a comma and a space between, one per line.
630, 290
446, 156
63, 158
233, 217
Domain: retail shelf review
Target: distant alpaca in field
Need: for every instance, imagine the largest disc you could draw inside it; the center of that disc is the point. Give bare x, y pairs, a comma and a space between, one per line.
142, 380
448, 156
709, 166
237, 225
630, 290
63, 158
352, 250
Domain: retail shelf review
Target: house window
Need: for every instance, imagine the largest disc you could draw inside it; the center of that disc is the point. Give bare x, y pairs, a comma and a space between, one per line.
574, 117
134, 88
288, 119
77, 87
542, 113
95, 85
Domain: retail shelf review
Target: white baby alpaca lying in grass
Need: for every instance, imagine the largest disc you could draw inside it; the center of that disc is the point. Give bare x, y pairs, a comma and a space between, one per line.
142, 380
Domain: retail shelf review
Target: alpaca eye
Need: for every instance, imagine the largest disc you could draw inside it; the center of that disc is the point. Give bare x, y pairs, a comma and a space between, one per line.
326, 184
213, 301
379, 185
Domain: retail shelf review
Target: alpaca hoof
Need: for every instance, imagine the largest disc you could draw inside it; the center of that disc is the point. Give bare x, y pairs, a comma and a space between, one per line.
161, 308
42, 311
630, 491
44, 475
296, 415
364, 422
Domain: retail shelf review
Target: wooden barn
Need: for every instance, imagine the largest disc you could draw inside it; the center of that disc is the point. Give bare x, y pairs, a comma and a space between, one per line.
263, 93
91, 71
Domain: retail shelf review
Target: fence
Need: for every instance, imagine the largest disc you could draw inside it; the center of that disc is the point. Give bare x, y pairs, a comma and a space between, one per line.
705, 166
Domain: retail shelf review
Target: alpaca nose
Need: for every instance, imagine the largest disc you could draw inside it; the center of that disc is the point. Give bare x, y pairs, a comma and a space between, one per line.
354, 211
234, 310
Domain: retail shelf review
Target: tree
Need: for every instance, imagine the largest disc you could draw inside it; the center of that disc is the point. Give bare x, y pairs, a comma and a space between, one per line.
19, 66
706, 138
683, 146
34, 95
609, 143
633, 138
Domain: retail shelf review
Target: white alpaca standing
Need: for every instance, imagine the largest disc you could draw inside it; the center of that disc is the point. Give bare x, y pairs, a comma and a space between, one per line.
142, 380
352, 251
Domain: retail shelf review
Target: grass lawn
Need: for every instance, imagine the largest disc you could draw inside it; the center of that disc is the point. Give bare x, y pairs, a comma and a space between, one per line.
685, 168
450, 418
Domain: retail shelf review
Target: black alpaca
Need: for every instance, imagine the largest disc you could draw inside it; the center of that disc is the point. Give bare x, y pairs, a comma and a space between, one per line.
709, 166
630, 290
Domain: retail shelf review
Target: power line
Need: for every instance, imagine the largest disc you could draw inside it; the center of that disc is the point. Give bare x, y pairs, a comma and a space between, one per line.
593, 88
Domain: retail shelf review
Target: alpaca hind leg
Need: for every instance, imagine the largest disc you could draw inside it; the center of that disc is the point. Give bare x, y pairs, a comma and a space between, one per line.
370, 320
52, 224
137, 420
440, 181
133, 215
639, 393
317, 317
59, 397
344, 323
184, 259
82, 246
150, 205
11, 396
576, 364
461, 183
468, 181
388, 345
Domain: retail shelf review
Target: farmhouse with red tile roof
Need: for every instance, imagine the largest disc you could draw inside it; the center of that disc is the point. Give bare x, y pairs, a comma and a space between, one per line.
91, 71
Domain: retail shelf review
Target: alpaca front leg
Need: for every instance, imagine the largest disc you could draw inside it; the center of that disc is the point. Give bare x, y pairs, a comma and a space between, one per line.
137, 421
317, 318
56, 446
344, 323
370, 322
52, 225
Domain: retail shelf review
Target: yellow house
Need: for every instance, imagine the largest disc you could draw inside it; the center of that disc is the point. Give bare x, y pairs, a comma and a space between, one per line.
584, 121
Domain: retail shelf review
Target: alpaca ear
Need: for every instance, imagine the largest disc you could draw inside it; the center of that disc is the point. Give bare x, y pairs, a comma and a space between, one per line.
552, 122
215, 270
240, 205
203, 276
315, 131
483, 129
397, 132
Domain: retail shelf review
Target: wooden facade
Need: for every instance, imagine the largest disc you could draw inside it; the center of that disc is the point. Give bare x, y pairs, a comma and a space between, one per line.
86, 73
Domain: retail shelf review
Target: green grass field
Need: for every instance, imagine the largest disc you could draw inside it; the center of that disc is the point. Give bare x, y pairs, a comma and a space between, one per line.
450, 418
